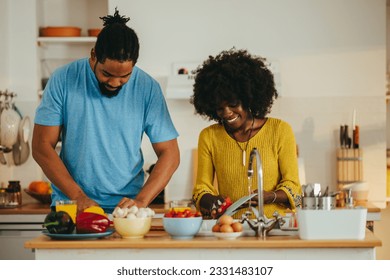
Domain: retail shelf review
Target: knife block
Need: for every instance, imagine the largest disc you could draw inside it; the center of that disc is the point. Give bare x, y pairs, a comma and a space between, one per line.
349, 166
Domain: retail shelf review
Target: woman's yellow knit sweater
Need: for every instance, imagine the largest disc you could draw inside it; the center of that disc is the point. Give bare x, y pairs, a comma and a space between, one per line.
219, 154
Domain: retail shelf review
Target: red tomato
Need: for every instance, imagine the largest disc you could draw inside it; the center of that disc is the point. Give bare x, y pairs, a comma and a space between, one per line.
180, 215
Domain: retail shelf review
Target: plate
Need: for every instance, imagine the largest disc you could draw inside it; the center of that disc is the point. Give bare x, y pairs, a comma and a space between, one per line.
77, 236
227, 235
232, 208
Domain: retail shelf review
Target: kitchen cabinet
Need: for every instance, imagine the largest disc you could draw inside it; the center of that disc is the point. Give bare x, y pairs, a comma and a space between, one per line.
18, 225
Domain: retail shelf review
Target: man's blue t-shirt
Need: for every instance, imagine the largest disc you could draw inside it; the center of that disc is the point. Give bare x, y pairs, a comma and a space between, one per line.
101, 136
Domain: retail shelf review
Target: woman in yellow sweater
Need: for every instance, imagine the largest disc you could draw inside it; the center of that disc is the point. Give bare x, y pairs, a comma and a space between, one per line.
237, 90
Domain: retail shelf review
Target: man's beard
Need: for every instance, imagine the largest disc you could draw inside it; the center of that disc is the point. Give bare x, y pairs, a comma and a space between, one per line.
108, 93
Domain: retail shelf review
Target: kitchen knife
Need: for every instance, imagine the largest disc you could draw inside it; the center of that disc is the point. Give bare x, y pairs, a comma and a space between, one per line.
356, 138
346, 137
342, 136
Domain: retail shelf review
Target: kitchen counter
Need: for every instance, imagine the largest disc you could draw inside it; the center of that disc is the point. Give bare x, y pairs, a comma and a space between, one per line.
157, 244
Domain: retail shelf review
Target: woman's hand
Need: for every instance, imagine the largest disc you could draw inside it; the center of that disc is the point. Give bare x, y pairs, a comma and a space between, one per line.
211, 206
269, 197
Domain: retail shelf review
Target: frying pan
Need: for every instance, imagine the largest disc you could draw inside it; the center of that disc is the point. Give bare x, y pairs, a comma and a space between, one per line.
21, 149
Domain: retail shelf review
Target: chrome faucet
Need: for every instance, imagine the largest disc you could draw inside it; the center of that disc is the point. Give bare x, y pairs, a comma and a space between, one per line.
262, 225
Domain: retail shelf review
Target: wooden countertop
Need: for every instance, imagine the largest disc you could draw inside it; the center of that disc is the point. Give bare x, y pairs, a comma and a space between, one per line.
29, 208
160, 239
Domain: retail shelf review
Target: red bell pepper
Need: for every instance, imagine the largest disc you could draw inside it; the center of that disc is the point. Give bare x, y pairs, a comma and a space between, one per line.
225, 205
87, 222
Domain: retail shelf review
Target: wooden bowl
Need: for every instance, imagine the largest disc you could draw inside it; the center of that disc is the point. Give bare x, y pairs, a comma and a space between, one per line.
42, 198
94, 32
60, 31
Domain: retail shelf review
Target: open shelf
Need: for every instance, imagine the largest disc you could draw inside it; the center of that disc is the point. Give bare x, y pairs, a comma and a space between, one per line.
66, 39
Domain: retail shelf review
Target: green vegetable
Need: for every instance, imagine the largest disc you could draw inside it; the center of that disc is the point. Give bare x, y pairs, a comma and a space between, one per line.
59, 222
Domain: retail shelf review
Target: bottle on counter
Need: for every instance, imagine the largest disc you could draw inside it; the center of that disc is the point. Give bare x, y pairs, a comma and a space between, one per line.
3, 197
14, 193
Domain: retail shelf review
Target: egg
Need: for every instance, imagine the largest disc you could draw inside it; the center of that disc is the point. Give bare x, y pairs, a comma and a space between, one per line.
237, 227
215, 228
226, 228
225, 220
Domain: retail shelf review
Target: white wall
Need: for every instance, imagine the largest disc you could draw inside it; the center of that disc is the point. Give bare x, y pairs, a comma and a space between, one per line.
331, 56
3, 45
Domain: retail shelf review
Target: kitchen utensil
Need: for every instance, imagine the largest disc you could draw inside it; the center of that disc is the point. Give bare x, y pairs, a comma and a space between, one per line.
317, 189
326, 191
9, 122
2, 157
342, 142
327, 203
21, 149
310, 202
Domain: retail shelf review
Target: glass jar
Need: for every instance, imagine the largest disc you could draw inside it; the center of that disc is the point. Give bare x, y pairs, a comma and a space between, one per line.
14, 193
3, 197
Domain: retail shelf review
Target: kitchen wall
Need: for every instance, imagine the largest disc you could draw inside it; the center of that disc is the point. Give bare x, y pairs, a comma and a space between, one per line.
3, 45
330, 58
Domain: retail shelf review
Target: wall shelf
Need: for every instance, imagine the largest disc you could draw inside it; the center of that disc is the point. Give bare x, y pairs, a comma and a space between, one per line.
66, 39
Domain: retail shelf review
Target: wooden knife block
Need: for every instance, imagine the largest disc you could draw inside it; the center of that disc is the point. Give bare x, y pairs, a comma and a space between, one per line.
349, 166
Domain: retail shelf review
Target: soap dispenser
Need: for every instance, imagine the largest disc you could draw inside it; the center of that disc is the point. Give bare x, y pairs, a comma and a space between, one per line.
349, 203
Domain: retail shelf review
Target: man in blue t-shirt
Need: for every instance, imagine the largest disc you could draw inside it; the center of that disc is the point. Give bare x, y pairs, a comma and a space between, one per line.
101, 107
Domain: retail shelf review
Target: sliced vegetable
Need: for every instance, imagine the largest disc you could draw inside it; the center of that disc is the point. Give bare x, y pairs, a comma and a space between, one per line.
87, 222
59, 222
95, 209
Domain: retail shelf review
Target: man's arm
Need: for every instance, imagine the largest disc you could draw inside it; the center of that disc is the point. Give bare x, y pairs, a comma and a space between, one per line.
168, 159
44, 140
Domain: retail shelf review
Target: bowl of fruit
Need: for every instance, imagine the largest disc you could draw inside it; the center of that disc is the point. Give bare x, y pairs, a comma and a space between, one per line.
227, 228
182, 223
40, 190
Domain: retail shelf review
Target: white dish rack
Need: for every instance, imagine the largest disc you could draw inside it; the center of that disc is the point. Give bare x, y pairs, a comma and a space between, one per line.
334, 224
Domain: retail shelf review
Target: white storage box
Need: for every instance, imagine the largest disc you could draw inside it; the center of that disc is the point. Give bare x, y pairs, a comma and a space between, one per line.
332, 224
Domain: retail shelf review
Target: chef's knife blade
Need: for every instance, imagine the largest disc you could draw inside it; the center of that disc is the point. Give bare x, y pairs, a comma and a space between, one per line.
342, 136
346, 137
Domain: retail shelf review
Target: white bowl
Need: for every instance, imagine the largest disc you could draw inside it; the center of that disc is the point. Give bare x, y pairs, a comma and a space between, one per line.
227, 235
132, 228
